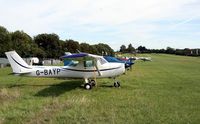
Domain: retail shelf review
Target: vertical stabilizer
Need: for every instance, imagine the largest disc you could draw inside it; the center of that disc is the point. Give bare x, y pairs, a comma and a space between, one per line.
17, 63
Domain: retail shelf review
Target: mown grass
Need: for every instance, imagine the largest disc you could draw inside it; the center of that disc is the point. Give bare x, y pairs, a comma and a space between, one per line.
166, 90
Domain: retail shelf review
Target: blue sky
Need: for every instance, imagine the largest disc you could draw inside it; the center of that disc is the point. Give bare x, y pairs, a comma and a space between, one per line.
151, 23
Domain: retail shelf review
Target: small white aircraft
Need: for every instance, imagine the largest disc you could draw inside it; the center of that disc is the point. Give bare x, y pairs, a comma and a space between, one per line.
85, 66
142, 58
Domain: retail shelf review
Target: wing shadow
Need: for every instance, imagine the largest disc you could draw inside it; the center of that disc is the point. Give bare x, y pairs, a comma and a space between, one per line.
58, 89
53, 90
106, 85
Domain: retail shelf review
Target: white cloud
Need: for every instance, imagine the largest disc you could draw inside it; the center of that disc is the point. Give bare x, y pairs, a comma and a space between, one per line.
124, 21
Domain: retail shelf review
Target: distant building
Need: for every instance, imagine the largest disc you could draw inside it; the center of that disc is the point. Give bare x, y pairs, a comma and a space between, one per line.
194, 52
3, 62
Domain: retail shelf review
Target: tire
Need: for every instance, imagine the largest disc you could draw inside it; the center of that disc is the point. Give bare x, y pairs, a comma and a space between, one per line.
116, 84
93, 83
87, 86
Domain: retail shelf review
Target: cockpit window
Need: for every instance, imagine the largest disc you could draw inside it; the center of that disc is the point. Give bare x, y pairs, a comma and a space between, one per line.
73, 63
88, 63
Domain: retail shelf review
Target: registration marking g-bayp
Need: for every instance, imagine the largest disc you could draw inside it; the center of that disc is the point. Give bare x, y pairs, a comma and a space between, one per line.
54, 71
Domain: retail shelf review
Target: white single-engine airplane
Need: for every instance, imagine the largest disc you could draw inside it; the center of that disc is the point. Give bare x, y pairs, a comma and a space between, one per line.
83, 65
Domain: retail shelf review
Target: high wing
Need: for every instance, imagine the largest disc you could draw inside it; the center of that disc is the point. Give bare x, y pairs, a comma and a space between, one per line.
79, 55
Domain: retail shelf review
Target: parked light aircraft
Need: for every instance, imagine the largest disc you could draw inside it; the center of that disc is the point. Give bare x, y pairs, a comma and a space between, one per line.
85, 66
127, 63
142, 58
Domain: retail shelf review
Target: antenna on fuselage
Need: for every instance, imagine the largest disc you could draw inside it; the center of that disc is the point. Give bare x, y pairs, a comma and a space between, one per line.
78, 51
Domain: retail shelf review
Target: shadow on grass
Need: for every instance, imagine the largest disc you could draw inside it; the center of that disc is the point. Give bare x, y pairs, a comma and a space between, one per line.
50, 89
106, 85
58, 89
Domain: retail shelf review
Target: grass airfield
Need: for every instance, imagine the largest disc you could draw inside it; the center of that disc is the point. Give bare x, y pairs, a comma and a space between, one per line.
166, 90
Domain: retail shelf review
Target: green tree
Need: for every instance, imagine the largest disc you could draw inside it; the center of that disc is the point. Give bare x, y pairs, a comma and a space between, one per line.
130, 48
63, 47
93, 50
72, 46
170, 50
85, 47
104, 49
142, 49
122, 48
5, 41
21, 43
49, 43
36, 51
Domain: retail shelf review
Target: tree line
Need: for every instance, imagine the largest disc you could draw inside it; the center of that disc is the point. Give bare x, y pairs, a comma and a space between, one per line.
45, 45
168, 50
51, 46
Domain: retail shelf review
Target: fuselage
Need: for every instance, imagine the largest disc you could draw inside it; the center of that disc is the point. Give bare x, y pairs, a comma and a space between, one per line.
106, 70
83, 66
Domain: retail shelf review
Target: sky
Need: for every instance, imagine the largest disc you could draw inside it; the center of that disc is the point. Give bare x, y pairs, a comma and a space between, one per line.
154, 24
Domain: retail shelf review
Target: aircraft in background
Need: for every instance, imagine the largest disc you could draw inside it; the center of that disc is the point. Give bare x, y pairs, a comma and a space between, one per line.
127, 63
145, 58
83, 66
142, 58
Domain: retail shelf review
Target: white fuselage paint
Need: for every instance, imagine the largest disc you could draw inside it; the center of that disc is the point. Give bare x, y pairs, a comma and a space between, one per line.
99, 68
106, 70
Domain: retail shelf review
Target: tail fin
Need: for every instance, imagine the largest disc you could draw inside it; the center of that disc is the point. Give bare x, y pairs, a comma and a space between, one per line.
17, 63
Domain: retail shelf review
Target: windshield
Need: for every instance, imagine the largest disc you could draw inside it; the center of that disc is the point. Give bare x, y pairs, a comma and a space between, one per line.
112, 59
102, 61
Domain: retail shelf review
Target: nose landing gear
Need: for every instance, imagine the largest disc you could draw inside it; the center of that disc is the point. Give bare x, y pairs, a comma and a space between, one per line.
116, 84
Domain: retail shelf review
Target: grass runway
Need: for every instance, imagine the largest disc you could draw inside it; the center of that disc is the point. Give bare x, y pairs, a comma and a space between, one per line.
166, 90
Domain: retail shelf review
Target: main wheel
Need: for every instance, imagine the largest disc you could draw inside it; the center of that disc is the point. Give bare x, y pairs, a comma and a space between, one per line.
87, 86
116, 84
93, 83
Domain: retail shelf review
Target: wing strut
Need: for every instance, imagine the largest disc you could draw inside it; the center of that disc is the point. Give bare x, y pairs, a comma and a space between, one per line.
95, 64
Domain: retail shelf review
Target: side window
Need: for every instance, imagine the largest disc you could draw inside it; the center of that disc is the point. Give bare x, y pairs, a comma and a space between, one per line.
88, 63
73, 63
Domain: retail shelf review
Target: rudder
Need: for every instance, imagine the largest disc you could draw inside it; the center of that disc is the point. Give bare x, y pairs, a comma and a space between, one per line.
17, 63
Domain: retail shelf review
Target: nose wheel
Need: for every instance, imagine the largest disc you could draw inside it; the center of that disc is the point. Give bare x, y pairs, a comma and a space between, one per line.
92, 82
116, 84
